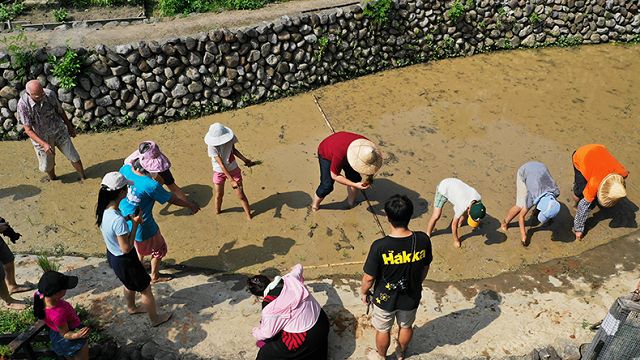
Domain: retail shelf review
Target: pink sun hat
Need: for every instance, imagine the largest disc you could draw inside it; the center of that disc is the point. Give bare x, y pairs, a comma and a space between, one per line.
151, 158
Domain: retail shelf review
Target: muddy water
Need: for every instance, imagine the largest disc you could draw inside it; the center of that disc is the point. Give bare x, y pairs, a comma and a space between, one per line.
476, 118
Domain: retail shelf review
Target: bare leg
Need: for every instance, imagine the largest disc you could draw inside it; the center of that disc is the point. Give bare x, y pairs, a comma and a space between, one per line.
52, 174
352, 193
404, 337
11, 302
219, 189
10, 279
83, 354
315, 205
155, 271
79, 169
245, 202
149, 303
130, 298
437, 212
512, 213
383, 339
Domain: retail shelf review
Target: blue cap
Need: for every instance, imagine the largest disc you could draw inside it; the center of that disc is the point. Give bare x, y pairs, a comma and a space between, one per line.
549, 207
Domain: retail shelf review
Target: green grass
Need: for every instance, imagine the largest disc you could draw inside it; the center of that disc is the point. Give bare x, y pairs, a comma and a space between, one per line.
46, 264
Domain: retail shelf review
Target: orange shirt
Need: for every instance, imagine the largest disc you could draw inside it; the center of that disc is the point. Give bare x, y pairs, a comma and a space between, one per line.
595, 162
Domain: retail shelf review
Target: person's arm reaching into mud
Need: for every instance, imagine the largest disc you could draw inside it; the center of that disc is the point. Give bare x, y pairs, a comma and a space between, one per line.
346, 182
581, 217
244, 159
523, 229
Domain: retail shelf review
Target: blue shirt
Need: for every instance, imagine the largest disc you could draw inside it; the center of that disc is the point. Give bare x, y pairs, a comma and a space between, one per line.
113, 225
143, 194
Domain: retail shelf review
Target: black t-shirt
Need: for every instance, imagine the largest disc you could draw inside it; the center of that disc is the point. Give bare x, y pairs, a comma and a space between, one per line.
391, 260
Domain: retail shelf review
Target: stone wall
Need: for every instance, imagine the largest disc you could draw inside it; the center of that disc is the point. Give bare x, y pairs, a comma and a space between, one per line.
155, 82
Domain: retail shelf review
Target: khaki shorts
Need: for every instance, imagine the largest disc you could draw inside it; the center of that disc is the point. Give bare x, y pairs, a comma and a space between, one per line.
383, 320
60, 140
521, 192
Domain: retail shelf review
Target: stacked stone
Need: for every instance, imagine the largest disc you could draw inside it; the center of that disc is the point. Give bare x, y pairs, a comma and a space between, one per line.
155, 82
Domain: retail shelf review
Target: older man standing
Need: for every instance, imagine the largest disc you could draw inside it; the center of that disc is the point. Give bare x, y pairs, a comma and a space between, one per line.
48, 126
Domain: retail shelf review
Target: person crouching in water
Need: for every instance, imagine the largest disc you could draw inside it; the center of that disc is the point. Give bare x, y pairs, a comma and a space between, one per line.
121, 252
293, 324
221, 148
68, 337
534, 187
356, 155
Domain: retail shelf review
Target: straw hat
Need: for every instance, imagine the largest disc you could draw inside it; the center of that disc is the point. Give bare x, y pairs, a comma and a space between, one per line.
364, 157
218, 134
611, 190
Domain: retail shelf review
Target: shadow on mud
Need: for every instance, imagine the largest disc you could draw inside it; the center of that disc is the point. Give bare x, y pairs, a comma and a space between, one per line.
97, 171
560, 226
457, 327
291, 199
383, 189
201, 194
20, 192
342, 336
230, 259
623, 215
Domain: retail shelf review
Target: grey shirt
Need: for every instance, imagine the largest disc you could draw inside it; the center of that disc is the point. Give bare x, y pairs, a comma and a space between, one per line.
538, 181
43, 117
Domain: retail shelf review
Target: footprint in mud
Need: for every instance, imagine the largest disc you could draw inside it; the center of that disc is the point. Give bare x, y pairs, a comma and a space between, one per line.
281, 135
312, 227
343, 242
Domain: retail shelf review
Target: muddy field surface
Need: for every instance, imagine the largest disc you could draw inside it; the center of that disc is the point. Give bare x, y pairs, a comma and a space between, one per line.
476, 118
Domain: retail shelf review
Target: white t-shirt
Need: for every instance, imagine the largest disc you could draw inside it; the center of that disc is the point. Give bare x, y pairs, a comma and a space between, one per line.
225, 151
459, 194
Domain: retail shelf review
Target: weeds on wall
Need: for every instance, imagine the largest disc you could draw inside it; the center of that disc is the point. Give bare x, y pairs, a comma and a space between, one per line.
323, 42
568, 41
379, 11
456, 11
22, 54
67, 68
10, 12
60, 15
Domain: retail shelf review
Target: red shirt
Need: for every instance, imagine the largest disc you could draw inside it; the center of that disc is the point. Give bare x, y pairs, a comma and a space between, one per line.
595, 162
334, 148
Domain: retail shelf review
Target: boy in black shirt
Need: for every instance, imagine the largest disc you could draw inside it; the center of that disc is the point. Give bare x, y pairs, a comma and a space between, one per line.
396, 266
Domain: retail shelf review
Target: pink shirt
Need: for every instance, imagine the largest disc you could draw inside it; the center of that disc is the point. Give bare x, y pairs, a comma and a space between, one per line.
295, 310
61, 314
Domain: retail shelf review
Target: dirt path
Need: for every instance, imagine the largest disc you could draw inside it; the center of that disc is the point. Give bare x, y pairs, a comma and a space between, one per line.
174, 27
547, 304
477, 118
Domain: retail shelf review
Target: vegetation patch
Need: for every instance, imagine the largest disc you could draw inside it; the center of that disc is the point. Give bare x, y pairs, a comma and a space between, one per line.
379, 11
568, 41
11, 11
67, 68
22, 54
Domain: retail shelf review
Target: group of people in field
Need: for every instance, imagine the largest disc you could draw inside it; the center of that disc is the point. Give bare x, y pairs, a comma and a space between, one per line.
293, 324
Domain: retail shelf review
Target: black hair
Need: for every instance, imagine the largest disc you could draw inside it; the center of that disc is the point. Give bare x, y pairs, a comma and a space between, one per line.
38, 306
137, 166
399, 210
144, 147
257, 284
105, 196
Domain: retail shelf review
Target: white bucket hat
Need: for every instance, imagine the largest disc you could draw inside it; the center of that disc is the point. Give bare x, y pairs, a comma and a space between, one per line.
364, 157
611, 190
115, 181
218, 134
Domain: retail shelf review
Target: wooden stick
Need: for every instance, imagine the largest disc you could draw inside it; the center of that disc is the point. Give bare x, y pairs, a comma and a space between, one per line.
326, 120
335, 264
315, 99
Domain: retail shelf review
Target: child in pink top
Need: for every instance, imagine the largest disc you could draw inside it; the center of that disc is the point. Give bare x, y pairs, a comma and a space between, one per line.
67, 337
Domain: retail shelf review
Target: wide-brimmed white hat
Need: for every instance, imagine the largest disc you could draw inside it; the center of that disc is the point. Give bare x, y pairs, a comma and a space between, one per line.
364, 157
611, 190
218, 134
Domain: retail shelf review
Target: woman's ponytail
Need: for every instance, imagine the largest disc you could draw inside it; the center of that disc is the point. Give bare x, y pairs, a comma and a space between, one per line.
104, 198
38, 305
